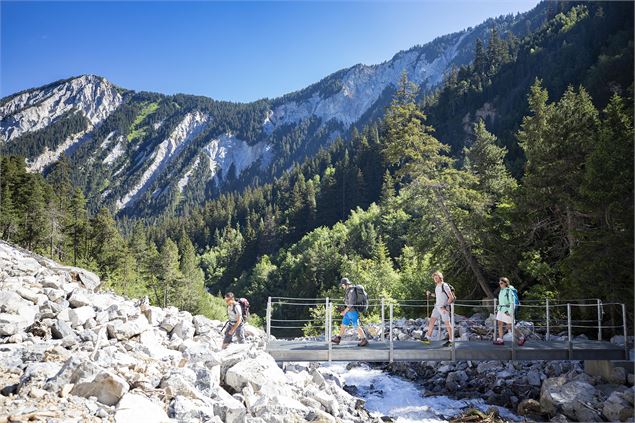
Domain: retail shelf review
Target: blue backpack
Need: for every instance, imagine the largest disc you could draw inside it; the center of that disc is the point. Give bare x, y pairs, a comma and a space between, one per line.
515, 299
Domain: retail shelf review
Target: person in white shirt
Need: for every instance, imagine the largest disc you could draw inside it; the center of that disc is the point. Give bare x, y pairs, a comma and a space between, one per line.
235, 321
444, 297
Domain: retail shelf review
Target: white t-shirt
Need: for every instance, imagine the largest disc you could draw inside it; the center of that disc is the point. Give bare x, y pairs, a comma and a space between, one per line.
441, 297
234, 312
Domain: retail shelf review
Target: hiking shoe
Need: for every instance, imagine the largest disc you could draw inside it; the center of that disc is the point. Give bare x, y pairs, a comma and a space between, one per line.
521, 341
499, 341
336, 340
363, 343
426, 339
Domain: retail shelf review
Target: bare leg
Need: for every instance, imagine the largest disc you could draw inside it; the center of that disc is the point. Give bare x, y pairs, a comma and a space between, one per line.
360, 332
517, 331
500, 329
342, 330
431, 326
450, 329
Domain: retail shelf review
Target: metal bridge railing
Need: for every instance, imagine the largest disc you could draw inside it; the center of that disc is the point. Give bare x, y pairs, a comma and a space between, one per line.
549, 307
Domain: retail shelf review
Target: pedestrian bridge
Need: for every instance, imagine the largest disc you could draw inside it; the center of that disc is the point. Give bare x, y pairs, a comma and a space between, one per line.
567, 319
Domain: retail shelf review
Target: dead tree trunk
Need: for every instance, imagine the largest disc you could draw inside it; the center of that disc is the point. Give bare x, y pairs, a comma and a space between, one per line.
465, 248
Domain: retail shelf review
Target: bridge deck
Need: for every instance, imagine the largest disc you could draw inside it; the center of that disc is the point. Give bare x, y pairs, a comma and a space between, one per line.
439, 351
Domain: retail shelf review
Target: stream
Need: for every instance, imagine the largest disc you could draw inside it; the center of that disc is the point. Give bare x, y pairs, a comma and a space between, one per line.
402, 400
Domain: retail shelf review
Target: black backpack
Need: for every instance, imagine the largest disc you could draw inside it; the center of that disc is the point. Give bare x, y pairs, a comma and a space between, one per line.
244, 307
361, 298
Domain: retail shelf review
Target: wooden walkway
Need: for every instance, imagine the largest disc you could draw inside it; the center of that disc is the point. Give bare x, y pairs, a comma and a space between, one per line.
440, 351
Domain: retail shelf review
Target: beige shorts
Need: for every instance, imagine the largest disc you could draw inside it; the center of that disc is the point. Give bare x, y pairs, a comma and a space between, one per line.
439, 313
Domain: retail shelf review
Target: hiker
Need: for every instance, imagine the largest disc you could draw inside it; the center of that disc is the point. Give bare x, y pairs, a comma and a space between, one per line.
350, 314
235, 324
444, 297
506, 305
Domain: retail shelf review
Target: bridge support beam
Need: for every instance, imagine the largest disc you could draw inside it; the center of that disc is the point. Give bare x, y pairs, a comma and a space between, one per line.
604, 368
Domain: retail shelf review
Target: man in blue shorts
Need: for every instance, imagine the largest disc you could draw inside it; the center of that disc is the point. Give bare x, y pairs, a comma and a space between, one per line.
350, 314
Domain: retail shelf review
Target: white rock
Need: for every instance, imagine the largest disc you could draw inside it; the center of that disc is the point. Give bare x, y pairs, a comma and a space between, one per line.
256, 371
126, 330
78, 316
184, 329
135, 408
10, 324
229, 408
79, 299
107, 387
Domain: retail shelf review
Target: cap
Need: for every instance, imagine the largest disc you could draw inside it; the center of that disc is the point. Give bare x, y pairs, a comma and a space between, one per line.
345, 281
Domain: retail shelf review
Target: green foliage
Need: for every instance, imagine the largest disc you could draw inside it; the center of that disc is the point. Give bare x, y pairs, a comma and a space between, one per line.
135, 130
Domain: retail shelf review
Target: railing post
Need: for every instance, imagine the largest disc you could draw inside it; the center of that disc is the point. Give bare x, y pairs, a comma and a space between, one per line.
626, 357
390, 352
451, 336
513, 313
326, 320
599, 319
383, 322
495, 322
547, 337
329, 319
569, 330
268, 319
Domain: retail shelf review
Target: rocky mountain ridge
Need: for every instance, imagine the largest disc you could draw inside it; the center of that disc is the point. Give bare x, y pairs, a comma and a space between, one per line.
71, 353
149, 151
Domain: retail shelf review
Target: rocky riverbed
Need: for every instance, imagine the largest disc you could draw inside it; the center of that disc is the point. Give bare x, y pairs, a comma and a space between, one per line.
537, 390
71, 353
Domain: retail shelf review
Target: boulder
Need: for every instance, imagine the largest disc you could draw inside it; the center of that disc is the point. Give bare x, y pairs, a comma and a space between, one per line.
534, 378
185, 409
88, 279
574, 399
79, 316
180, 381
184, 329
10, 324
617, 376
168, 323
134, 408
49, 310
529, 407
617, 408
60, 329
79, 299
107, 387
256, 371
456, 380
229, 408
125, 330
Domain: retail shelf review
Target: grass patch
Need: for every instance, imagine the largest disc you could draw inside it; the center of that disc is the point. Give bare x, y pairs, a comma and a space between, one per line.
135, 131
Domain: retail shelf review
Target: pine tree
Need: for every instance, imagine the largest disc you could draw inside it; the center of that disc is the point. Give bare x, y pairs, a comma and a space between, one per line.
77, 229
411, 145
170, 277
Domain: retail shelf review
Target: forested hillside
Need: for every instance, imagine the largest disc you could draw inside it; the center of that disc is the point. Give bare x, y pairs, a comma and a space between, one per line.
519, 164
143, 154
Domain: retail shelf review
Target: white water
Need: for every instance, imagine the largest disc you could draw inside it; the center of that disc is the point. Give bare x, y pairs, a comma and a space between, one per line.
388, 395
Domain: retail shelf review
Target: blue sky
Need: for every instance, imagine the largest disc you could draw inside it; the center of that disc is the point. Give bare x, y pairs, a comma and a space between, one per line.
238, 51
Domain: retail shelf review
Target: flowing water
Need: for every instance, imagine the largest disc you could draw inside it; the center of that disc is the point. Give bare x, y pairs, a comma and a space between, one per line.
402, 400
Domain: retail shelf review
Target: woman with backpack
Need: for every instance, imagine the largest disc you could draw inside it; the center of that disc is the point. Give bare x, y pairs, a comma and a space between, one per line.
507, 301
443, 292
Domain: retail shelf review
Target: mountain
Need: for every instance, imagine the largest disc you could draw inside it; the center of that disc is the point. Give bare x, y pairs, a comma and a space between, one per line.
141, 153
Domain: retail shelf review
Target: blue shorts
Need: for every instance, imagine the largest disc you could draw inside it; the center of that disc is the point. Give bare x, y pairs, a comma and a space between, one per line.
351, 318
